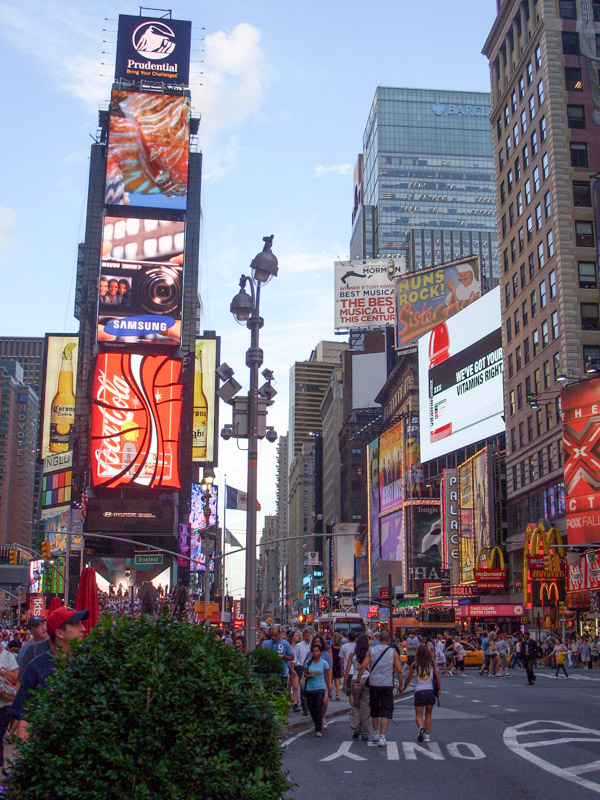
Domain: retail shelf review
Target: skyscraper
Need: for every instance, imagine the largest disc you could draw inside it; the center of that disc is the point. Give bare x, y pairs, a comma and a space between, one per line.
424, 183
545, 115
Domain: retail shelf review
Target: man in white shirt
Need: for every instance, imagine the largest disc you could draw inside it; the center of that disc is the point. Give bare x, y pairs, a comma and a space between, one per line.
301, 653
346, 652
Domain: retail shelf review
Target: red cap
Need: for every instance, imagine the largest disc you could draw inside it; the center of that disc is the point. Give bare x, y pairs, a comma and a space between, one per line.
65, 616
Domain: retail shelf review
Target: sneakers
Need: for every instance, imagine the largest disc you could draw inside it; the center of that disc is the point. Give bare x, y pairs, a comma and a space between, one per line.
324, 724
421, 734
427, 738
364, 737
375, 737
382, 741
318, 733
356, 733
296, 707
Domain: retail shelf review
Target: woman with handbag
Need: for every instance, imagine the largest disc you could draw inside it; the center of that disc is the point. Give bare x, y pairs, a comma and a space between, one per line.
426, 690
9, 676
315, 671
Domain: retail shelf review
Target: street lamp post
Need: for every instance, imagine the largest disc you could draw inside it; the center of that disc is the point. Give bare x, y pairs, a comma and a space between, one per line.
246, 310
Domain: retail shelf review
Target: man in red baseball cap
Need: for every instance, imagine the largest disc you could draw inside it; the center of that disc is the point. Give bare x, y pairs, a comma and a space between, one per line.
63, 625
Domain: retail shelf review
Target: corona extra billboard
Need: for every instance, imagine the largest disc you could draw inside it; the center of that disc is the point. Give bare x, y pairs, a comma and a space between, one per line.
60, 378
581, 445
205, 420
136, 412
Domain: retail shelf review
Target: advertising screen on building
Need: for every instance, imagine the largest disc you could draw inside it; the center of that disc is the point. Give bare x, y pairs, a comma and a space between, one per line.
153, 50
140, 286
199, 562
136, 412
373, 496
451, 520
60, 382
205, 421
461, 397
428, 297
148, 151
414, 484
59, 526
467, 533
364, 292
481, 503
424, 545
139, 511
57, 480
390, 468
198, 507
392, 539
581, 446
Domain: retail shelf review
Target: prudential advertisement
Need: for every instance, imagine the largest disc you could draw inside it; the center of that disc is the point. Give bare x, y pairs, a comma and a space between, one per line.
460, 379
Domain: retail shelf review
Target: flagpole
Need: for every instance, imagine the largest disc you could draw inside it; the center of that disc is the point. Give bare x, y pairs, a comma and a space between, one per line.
223, 548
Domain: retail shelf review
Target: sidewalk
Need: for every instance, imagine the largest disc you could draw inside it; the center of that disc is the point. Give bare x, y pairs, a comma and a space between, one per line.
296, 721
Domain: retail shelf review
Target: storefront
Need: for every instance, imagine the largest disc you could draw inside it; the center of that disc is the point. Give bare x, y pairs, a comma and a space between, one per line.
507, 617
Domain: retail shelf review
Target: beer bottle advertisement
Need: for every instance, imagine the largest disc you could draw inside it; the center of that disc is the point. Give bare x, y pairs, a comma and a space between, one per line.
204, 401
200, 422
59, 394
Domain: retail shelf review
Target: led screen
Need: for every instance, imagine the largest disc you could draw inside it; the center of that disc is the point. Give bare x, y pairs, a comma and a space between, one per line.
205, 405
199, 562
392, 540
374, 533
59, 395
460, 379
198, 507
390, 468
425, 544
140, 287
148, 150
428, 297
136, 411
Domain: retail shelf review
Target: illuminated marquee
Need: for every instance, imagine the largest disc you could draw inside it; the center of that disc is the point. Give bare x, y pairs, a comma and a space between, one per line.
136, 411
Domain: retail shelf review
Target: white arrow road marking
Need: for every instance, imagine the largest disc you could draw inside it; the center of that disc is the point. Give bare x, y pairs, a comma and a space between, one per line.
564, 733
343, 751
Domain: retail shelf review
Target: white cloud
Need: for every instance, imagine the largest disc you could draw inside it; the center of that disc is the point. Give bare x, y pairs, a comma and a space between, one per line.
236, 75
7, 227
321, 171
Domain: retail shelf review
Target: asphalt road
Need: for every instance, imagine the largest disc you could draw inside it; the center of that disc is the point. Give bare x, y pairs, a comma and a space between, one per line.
491, 738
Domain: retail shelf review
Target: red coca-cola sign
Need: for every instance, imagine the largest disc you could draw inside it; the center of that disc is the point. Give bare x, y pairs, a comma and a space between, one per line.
136, 411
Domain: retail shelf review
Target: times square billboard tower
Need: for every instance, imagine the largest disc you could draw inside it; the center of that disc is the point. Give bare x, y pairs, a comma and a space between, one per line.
136, 294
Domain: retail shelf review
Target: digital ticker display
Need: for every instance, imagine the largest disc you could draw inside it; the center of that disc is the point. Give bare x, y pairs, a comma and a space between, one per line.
148, 150
136, 412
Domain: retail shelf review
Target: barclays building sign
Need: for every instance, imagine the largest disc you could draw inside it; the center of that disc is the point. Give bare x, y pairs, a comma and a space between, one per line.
439, 109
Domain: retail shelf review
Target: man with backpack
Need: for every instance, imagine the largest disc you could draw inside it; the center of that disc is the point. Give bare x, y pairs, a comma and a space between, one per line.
382, 661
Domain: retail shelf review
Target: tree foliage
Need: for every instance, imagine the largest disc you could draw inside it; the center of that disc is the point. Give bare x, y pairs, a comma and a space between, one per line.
146, 709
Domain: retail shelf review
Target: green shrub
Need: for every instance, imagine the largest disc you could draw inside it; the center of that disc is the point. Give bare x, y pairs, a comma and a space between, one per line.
151, 709
271, 671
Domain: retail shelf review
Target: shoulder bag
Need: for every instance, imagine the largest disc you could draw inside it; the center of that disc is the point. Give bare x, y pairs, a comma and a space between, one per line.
379, 657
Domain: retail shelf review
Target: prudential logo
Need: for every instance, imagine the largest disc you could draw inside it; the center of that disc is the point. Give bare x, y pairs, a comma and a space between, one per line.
154, 40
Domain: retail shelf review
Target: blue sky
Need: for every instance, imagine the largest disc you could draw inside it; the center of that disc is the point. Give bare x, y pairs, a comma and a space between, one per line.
284, 95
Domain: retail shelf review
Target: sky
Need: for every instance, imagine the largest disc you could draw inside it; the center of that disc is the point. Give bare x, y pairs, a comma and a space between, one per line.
283, 91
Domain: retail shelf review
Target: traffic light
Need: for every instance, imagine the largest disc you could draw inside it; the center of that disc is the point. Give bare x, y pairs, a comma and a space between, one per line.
300, 617
357, 548
12, 559
532, 400
46, 549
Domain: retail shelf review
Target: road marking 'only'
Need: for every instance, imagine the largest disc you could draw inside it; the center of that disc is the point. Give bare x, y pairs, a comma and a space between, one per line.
549, 733
410, 750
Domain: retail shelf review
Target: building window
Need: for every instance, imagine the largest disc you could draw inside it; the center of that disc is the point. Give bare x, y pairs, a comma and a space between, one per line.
513, 102
566, 9
521, 236
516, 318
538, 217
519, 203
525, 156
543, 129
533, 303
508, 147
538, 57
508, 330
523, 121
515, 286
511, 402
573, 79
517, 169
499, 127
579, 154
521, 88
532, 107
523, 478
554, 322
516, 134
543, 298
529, 70
584, 233
513, 439
520, 396
582, 194
590, 320
511, 214
545, 334
550, 245
502, 192
529, 428
556, 365
540, 92
576, 116
539, 421
509, 180
504, 228
588, 278
536, 179
513, 251
591, 356
526, 354
501, 159
506, 116
545, 170
510, 366
547, 205
529, 229
507, 295
540, 255
552, 282
521, 434
535, 338
527, 192
549, 451
570, 43
546, 368
525, 313
540, 463
514, 478
505, 259
518, 359
596, 10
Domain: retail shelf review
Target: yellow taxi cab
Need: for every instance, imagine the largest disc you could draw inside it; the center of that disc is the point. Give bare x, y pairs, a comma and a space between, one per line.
473, 655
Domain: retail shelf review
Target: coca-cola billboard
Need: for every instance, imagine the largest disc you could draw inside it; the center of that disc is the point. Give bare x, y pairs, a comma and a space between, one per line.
136, 411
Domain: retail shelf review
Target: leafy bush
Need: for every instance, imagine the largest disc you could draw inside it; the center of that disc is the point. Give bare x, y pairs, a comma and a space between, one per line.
146, 709
269, 667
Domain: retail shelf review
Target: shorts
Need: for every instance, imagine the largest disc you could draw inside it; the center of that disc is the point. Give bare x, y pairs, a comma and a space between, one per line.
410, 659
381, 701
425, 698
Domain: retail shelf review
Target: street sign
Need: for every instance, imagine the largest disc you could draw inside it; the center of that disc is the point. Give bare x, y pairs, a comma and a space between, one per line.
384, 592
148, 558
312, 559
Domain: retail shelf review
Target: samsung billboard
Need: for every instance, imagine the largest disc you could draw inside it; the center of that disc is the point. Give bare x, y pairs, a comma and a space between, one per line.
460, 379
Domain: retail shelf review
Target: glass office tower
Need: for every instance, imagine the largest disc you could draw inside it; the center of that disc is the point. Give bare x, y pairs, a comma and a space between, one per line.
424, 183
